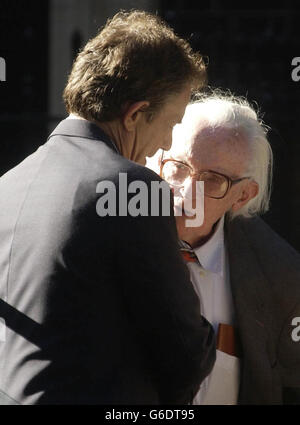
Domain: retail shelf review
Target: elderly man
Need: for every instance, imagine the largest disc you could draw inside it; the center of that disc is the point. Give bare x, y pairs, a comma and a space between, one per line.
91, 313
246, 276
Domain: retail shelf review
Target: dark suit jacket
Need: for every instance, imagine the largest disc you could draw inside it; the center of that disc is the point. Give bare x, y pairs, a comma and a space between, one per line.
265, 281
98, 309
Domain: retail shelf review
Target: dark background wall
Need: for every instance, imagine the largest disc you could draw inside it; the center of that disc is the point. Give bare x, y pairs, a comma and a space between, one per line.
250, 50
23, 96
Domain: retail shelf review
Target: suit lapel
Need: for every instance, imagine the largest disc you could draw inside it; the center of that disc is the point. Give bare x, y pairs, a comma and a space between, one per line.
253, 305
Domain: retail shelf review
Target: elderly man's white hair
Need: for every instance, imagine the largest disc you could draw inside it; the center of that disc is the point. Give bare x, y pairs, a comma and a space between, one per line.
220, 109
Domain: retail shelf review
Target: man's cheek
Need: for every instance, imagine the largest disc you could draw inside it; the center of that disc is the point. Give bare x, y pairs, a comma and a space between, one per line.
180, 224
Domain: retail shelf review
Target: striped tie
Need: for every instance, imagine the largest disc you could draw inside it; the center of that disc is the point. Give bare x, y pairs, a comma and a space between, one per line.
187, 252
188, 255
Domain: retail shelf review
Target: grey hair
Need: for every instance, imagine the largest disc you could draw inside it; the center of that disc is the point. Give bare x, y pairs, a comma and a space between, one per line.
223, 109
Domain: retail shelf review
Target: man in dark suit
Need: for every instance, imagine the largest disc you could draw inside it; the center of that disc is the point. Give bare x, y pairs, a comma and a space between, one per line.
246, 276
92, 310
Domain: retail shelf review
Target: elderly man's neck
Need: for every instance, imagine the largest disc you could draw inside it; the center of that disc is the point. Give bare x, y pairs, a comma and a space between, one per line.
195, 240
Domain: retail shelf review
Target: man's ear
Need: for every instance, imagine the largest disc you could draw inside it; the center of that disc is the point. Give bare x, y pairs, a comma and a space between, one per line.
249, 192
133, 113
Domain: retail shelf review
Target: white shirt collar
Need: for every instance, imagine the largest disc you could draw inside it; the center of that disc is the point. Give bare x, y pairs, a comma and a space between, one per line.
76, 117
211, 254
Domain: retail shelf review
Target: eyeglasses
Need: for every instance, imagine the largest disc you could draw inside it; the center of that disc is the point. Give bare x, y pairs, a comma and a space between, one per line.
216, 185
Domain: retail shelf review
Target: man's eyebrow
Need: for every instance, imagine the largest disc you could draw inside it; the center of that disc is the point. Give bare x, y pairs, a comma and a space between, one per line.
224, 173
181, 158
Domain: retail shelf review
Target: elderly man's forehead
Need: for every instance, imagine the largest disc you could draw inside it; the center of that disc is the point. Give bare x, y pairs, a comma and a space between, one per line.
183, 138
188, 139
226, 137
221, 149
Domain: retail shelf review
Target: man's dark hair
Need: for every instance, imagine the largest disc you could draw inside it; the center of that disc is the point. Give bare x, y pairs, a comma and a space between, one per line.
135, 57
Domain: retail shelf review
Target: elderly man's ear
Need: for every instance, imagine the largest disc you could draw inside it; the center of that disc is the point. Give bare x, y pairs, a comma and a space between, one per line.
249, 192
133, 113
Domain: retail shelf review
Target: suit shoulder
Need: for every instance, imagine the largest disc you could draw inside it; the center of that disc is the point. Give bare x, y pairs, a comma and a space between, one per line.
138, 172
258, 230
132, 171
279, 260
253, 243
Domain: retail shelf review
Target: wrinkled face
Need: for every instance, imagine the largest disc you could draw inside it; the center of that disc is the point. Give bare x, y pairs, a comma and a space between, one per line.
157, 133
204, 148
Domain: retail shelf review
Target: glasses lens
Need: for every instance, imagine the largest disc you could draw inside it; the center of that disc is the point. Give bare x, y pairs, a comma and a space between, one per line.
215, 185
175, 173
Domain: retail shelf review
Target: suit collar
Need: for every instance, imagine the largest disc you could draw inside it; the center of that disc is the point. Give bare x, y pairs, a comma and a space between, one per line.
83, 129
246, 276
